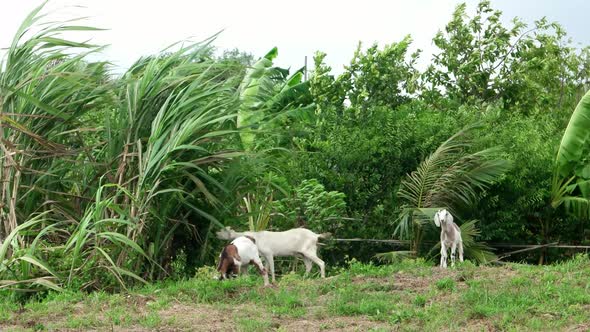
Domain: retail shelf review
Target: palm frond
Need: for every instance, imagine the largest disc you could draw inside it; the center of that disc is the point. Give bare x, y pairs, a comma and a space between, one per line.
477, 251
450, 175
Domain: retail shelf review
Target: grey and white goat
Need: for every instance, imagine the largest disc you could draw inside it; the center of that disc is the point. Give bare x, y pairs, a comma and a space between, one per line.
450, 236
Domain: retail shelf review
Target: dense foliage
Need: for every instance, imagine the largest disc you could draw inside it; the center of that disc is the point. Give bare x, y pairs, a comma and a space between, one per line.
109, 180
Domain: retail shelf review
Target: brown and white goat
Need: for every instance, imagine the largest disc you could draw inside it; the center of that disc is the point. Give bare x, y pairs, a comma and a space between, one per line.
238, 255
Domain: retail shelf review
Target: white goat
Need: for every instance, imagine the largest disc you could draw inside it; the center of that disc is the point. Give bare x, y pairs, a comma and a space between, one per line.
299, 242
450, 235
239, 254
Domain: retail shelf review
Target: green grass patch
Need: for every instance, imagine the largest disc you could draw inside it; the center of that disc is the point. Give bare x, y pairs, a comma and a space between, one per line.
446, 284
411, 295
253, 324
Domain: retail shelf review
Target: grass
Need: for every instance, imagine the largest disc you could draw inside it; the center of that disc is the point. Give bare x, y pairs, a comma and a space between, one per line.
411, 296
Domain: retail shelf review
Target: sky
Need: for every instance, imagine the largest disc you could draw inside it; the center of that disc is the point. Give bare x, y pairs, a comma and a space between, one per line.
297, 28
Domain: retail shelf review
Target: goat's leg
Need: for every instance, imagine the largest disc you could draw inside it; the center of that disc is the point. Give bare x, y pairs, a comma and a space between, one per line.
244, 269
461, 251
270, 263
223, 268
258, 263
443, 255
453, 251
234, 271
308, 265
314, 258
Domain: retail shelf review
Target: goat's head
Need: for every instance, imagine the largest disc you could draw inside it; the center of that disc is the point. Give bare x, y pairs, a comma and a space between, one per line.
226, 233
442, 216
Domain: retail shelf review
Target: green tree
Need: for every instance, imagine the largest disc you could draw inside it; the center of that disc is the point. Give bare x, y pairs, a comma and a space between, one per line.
529, 69
383, 77
472, 52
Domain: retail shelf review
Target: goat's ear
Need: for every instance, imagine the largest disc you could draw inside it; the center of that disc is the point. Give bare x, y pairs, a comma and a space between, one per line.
437, 220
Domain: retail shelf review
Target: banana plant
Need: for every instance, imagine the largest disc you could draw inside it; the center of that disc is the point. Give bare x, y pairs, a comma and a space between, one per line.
571, 174
268, 96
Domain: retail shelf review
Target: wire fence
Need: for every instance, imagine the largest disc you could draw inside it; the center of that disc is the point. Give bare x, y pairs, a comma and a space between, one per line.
523, 247
493, 245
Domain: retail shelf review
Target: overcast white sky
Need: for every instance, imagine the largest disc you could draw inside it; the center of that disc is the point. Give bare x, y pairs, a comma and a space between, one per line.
297, 28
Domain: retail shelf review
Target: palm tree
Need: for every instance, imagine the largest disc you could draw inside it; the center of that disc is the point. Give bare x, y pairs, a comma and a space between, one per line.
449, 178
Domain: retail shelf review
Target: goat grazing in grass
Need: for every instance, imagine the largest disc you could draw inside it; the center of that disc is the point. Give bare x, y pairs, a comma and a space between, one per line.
299, 242
450, 235
237, 255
